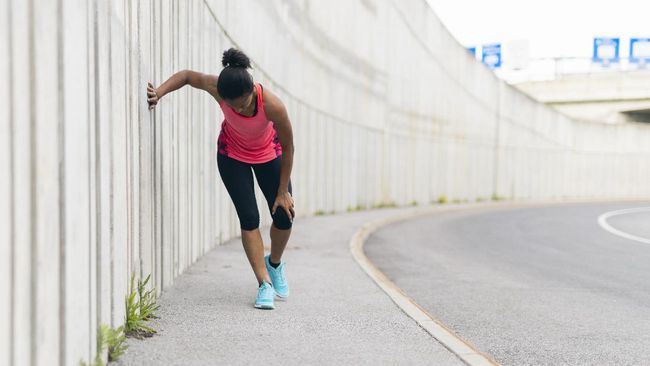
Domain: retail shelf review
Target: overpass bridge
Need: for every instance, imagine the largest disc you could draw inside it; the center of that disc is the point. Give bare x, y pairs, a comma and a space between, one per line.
613, 97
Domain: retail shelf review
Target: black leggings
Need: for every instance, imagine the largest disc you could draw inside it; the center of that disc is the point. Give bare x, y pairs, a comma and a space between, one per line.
238, 179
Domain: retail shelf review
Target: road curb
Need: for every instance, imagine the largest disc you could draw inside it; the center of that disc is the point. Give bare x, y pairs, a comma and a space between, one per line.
458, 346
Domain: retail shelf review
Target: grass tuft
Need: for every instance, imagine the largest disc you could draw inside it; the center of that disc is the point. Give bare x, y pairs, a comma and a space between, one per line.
141, 310
115, 339
496, 197
385, 205
111, 339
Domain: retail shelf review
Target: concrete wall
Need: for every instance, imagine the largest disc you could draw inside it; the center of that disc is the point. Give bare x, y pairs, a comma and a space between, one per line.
385, 105
98, 187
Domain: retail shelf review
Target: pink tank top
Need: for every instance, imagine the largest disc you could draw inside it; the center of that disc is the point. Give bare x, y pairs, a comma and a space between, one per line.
248, 139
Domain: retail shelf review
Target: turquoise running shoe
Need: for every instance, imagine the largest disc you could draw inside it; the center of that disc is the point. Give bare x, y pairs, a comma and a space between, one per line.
265, 296
278, 278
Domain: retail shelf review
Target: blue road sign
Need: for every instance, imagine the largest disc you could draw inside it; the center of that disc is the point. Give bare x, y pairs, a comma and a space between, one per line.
492, 55
640, 50
606, 50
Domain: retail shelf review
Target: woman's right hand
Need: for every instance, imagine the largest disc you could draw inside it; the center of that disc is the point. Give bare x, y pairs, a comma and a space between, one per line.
152, 96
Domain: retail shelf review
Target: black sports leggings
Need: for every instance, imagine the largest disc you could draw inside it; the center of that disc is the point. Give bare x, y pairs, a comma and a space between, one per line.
238, 179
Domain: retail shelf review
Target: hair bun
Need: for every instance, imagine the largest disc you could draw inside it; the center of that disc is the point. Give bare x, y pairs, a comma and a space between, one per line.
235, 58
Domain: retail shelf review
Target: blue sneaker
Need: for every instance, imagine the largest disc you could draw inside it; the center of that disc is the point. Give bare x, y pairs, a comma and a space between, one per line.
280, 284
265, 296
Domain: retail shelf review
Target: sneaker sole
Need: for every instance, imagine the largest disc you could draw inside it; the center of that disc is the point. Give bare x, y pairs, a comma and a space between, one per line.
264, 306
282, 296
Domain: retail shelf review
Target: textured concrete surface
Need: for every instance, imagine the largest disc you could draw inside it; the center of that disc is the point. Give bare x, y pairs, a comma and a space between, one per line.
529, 286
335, 314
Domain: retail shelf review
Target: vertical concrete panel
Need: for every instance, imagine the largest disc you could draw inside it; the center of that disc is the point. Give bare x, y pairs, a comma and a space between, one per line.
204, 124
183, 126
192, 112
129, 137
192, 105
145, 142
195, 122
156, 151
45, 221
103, 164
118, 72
339, 165
6, 194
163, 123
133, 83
132, 137
77, 335
212, 179
179, 128
177, 169
173, 139
317, 159
94, 181
22, 181
308, 154
202, 141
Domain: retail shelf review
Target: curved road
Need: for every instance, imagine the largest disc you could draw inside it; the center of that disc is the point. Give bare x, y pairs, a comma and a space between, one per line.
545, 285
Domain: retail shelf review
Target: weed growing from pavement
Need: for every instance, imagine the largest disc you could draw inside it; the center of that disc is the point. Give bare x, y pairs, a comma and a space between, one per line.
496, 197
385, 205
108, 339
138, 311
141, 310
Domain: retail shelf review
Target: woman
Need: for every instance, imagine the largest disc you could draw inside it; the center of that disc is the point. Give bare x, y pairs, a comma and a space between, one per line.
256, 133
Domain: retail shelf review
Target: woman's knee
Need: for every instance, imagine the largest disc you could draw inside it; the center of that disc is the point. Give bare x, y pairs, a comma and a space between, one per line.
281, 219
249, 221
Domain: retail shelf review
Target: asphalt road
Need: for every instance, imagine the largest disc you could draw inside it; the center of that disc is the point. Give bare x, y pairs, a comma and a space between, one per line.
545, 285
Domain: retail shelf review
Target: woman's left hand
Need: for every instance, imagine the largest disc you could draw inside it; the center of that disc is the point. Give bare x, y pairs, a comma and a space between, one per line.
284, 200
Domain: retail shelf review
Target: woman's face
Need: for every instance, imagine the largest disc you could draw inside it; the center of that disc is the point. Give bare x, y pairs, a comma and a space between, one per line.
242, 104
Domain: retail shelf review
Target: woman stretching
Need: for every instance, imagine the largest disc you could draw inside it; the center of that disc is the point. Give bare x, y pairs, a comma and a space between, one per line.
256, 133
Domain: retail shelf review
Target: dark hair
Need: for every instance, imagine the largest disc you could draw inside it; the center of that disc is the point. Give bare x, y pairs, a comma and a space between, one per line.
234, 81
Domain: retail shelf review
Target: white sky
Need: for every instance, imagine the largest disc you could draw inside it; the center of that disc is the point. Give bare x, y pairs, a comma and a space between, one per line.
554, 28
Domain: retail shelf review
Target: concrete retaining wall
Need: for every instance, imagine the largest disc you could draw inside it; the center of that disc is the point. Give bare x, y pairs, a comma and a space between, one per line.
385, 105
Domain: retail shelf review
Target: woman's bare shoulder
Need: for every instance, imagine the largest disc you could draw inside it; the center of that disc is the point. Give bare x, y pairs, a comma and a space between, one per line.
272, 102
274, 108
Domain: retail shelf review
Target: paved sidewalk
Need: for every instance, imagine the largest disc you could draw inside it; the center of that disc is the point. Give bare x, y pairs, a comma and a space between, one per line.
335, 314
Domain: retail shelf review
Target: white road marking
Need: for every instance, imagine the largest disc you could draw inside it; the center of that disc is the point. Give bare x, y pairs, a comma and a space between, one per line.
602, 221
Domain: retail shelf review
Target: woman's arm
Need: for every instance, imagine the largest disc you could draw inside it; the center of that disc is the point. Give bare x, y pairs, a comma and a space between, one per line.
276, 112
195, 79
